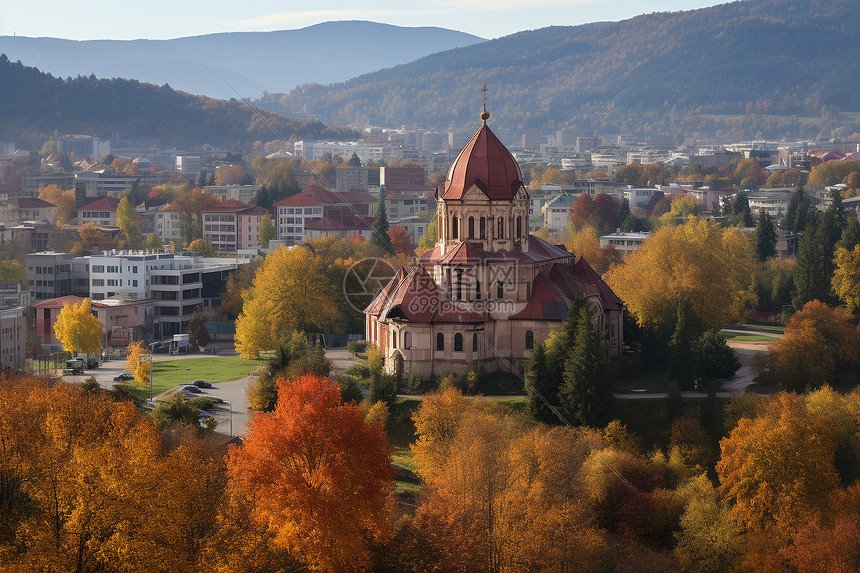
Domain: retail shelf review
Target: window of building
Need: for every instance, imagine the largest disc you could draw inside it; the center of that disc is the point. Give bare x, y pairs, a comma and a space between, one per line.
458, 342
501, 229
98, 268
477, 289
483, 227
440, 341
455, 228
474, 342
471, 227
500, 289
459, 284
98, 282
393, 340
530, 340
519, 227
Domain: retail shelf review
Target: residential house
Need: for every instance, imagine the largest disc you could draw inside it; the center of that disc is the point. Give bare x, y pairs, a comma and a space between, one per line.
101, 213
31, 209
348, 213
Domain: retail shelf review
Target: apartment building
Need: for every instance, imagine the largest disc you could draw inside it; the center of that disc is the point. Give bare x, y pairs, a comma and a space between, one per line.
345, 214
100, 213
231, 226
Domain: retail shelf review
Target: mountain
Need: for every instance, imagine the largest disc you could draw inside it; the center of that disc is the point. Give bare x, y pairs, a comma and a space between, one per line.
33, 104
240, 64
757, 67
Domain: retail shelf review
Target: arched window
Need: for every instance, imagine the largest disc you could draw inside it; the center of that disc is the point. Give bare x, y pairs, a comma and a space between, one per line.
483, 228
440, 341
471, 227
519, 227
501, 233
477, 290
407, 340
474, 342
459, 284
530, 340
394, 340
500, 290
458, 342
455, 228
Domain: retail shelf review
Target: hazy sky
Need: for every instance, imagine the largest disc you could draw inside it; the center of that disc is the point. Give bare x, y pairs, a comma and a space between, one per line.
160, 19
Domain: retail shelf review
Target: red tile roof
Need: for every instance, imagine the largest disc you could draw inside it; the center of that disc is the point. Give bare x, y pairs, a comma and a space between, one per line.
547, 302
416, 298
464, 253
484, 162
313, 195
380, 300
31, 203
59, 302
103, 204
228, 206
583, 271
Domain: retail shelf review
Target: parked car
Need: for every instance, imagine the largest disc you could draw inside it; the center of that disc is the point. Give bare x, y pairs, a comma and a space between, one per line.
123, 377
202, 384
189, 389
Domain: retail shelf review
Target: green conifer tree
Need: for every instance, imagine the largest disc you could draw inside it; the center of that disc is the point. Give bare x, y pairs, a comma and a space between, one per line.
681, 367
380, 236
541, 387
765, 235
584, 395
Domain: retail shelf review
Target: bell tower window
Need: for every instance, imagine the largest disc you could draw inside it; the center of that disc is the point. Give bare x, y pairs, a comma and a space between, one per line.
483, 228
519, 227
455, 228
471, 227
501, 233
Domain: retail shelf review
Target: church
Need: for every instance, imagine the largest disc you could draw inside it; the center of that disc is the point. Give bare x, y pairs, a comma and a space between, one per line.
488, 291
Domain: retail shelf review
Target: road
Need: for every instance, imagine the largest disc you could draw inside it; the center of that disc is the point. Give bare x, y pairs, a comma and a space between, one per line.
233, 392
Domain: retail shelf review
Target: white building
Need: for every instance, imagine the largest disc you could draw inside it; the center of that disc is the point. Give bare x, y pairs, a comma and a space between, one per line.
625, 243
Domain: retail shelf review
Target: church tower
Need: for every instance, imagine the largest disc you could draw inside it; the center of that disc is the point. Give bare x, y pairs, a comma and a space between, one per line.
483, 200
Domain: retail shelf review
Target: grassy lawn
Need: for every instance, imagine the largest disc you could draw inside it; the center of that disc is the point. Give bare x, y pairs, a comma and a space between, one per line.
170, 373
758, 327
747, 337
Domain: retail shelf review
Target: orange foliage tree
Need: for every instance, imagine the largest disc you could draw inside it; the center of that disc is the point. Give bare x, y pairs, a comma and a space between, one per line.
819, 345
319, 477
401, 241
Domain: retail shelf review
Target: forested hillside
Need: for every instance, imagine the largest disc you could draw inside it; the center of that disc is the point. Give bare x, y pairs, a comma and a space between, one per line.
774, 66
32, 102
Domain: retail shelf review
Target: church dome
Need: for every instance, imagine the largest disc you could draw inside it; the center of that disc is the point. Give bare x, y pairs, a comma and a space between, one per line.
487, 163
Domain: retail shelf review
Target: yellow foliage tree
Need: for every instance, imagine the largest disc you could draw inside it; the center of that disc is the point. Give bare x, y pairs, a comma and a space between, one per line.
137, 363
64, 199
78, 329
292, 291
778, 469
709, 266
585, 243
846, 277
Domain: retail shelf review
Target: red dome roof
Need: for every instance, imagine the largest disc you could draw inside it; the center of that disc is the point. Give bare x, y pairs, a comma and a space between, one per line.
487, 163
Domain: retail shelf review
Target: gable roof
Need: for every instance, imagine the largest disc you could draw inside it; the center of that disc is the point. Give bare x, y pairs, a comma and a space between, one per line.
464, 253
31, 203
59, 302
583, 271
416, 298
103, 204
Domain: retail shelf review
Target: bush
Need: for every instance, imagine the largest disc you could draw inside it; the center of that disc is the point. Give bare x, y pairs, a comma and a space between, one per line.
90, 386
262, 394
357, 347
204, 402
350, 391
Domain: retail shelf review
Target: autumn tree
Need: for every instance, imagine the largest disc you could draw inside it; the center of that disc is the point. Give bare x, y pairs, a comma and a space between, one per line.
190, 206
138, 361
265, 230
428, 239
64, 199
201, 247
239, 280
585, 243
292, 290
600, 212
832, 172
91, 237
711, 267
229, 174
276, 175
11, 270
317, 476
778, 468
817, 347
77, 329
846, 278
401, 241
129, 225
